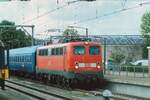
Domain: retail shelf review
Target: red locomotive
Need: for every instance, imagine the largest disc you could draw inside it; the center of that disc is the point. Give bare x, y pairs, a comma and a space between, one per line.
70, 63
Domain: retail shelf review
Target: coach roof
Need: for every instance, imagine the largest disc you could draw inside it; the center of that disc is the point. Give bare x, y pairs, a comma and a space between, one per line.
24, 50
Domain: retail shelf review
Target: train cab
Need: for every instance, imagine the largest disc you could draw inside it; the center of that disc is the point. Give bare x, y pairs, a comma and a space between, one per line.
85, 60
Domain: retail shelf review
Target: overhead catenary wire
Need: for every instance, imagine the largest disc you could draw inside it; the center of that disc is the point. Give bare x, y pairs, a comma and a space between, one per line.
112, 13
48, 12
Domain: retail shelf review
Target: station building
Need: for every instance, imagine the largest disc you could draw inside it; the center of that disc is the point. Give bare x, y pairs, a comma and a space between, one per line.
129, 45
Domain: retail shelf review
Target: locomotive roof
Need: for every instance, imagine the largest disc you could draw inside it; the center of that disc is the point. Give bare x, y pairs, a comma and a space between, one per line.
24, 50
69, 43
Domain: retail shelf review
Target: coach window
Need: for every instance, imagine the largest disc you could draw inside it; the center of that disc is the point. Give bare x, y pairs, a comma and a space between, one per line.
29, 58
17, 59
94, 50
79, 50
10, 59
22, 58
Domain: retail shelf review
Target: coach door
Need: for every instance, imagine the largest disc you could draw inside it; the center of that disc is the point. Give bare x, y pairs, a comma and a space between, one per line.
64, 58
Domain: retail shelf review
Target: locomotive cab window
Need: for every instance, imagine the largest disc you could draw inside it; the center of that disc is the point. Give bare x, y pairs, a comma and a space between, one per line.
94, 50
79, 50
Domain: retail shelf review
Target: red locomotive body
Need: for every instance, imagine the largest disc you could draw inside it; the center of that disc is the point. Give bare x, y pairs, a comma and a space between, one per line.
73, 61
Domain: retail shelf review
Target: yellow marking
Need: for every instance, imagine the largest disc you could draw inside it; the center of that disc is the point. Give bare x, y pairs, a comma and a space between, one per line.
4, 73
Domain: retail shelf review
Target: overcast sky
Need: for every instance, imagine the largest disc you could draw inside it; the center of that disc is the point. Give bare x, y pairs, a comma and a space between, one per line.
77, 14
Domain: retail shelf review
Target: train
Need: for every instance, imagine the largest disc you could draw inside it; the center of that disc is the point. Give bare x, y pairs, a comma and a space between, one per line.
68, 64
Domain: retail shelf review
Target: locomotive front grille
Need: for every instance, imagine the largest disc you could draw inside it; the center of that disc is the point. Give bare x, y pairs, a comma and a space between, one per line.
87, 64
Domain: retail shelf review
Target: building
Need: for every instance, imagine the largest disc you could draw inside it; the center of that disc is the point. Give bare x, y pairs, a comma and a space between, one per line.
129, 45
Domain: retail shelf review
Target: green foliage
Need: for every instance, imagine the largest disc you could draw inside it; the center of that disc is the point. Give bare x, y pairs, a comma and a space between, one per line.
145, 30
12, 37
145, 26
70, 32
117, 57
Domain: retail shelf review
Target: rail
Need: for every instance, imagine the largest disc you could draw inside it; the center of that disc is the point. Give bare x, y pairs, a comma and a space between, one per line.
23, 88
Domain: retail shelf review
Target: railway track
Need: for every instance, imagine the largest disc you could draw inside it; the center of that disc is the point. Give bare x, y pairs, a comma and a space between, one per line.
115, 96
35, 92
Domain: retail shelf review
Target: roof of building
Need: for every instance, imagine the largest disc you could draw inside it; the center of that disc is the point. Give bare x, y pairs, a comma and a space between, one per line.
119, 39
108, 39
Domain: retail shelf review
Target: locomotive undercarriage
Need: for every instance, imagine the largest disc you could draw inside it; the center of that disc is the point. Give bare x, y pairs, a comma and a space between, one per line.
63, 82
87, 83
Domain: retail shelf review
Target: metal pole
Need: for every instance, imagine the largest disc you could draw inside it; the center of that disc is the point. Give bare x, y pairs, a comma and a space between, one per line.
32, 36
104, 55
86, 32
7, 57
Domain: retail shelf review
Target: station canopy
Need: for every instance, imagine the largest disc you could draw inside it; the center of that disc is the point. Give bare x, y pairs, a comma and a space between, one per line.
119, 39
103, 39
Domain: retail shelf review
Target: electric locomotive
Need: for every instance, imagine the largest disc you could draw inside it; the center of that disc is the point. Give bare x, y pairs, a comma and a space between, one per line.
70, 63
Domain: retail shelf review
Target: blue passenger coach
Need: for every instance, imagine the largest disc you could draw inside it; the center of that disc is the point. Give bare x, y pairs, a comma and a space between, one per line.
23, 59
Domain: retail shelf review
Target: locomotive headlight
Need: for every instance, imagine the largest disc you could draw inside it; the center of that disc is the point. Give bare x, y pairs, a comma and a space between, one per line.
86, 43
98, 67
76, 67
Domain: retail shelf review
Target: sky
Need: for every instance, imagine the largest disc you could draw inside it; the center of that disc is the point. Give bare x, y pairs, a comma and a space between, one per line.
98, 16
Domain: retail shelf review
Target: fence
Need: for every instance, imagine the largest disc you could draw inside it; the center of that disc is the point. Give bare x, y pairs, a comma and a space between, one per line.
128, 71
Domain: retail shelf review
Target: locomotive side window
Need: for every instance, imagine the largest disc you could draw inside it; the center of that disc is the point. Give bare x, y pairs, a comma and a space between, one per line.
56, 51
94, 50
49, 52
60, 51
79, 50
53, 51
43, 52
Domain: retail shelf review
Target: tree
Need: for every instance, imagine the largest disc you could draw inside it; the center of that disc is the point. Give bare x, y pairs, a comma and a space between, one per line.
117, 57
12, 37
145, 30
70, 32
